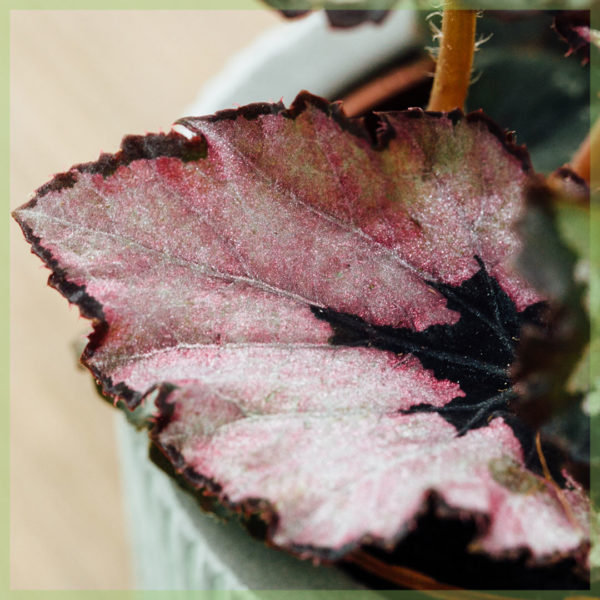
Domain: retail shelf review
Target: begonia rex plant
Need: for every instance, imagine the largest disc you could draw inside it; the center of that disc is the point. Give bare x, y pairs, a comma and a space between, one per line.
361, 336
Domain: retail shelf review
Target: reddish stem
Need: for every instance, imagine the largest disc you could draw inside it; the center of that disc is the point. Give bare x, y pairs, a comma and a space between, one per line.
588, 151
453, 70
386, 86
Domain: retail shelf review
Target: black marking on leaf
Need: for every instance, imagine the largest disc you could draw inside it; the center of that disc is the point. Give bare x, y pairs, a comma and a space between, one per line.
476, 352
438, 545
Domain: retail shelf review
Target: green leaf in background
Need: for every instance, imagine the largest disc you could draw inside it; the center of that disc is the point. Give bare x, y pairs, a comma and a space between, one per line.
523, 65
574, 224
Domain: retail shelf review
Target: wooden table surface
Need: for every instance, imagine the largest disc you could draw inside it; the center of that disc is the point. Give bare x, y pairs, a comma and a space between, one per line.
79, 81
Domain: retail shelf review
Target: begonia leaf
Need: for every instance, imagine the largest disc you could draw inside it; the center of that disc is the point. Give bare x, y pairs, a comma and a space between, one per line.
326, 311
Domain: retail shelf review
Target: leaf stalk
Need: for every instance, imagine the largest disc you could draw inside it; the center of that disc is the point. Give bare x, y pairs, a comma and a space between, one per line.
455, 61
588, 151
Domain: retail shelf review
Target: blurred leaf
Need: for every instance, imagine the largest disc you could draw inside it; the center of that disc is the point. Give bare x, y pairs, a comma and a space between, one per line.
525, 83
573, 26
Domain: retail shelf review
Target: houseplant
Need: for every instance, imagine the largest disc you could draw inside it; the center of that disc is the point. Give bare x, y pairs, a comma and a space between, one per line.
109, 165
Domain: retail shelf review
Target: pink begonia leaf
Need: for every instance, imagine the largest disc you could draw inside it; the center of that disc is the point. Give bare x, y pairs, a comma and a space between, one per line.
328, 311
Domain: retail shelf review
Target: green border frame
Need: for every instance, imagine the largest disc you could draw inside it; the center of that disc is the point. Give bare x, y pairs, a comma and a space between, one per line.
595, 283
6, 7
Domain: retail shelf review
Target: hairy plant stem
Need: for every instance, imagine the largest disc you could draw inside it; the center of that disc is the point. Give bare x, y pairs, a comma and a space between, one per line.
589, 149
453, 70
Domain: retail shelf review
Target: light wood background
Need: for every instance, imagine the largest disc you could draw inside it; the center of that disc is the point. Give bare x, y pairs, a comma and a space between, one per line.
79, 81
